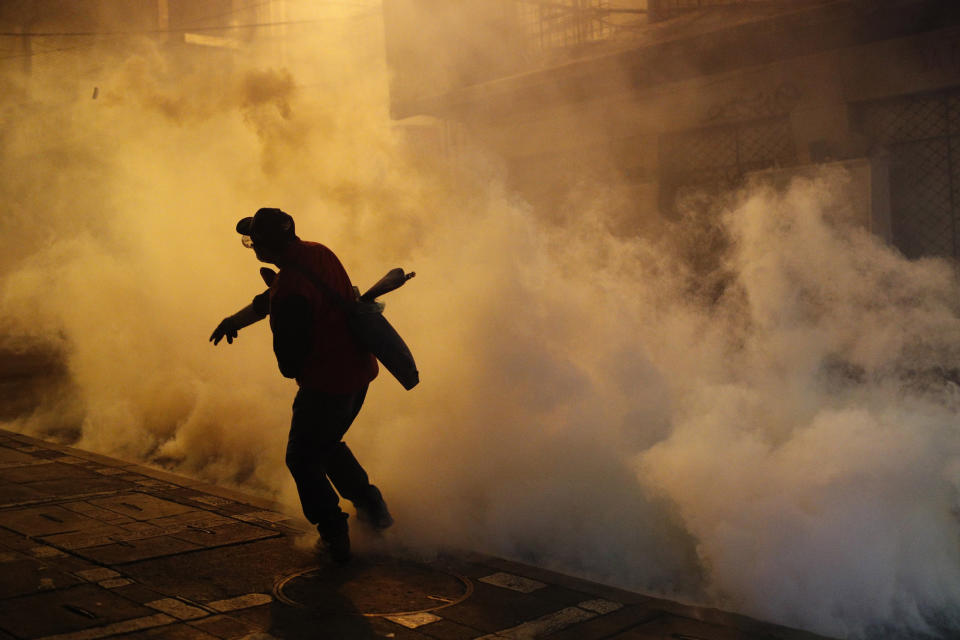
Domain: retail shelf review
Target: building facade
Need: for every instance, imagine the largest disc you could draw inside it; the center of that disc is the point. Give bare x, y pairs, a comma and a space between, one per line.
671, 96
45, 37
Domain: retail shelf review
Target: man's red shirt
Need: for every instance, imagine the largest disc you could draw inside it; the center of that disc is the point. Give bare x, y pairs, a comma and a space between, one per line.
315, 336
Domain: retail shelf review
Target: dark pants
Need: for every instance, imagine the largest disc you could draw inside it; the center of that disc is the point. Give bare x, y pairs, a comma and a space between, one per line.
317, 455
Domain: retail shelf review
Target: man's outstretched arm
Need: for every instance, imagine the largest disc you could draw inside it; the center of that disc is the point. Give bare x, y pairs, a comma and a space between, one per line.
231, 325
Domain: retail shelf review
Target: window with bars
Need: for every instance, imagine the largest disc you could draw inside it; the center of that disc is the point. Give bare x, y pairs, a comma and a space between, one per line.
717, 158
564, 23
667, 8
553, 25
921, 132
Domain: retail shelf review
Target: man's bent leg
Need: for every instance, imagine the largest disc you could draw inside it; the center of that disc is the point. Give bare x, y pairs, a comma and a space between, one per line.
341, 466
319, 501
346, 473
349, 477
315, 452
319, 421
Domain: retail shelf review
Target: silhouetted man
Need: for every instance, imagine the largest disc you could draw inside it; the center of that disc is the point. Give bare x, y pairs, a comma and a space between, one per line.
313, 344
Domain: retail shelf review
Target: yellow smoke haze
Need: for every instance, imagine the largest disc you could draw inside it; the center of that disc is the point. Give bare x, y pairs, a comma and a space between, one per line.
783, 449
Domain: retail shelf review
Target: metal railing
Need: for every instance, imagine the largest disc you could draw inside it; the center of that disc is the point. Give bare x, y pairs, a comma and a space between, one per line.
550, 25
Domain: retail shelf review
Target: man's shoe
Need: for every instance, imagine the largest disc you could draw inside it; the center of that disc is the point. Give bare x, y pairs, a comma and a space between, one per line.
335, 541
373, 510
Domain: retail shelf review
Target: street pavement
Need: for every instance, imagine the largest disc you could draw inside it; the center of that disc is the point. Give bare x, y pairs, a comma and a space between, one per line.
95, 547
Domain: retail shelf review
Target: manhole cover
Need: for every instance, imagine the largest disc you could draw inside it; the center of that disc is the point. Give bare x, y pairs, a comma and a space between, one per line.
373, 588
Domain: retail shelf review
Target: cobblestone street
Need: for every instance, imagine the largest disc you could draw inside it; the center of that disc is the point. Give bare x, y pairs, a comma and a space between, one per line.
94, 547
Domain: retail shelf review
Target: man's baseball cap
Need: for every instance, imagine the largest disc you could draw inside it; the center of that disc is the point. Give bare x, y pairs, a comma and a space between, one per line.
268, 226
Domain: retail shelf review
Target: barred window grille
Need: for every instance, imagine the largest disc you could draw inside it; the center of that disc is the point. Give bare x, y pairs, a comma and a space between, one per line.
560, 24
921, 133
553, 25
716, 158
663, 9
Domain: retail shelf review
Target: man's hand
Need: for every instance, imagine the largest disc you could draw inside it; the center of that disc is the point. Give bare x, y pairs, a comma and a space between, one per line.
230, 325
226, 329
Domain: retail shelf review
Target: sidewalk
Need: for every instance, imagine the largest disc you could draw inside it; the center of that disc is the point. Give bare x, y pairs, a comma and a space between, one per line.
94, 547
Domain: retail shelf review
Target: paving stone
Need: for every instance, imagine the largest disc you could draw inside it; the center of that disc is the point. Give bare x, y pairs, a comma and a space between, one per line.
49, 455
66, 610
262, 516
449, 630
281, 621
606, 625
141, 506
97, 574
9, 456
115, 583
257, 618
703, 614
232, 508
178, 631
95, 536
154, 485
213, 554
211, 501
44, 551
25, 576
570, 582
134, 550
12, 495
600, 606
96, 457
491, 608
17, 437
178, 609
165, 476
225, 534
68, 459
544, 625
116, 628
45, 520
98, 513
192, 518
46, 471
139, 593
72, 488
513, 582
244, 601
670, 626
135, 530
110, 471
129, 476
222, 627
237, 496
383, 628
222, 572
293, 531
414, 620
464, 567
70, 563
562, 595
10, 541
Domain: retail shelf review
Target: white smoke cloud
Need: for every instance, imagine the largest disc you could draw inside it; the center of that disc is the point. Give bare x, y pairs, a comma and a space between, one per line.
787, 449
818, 467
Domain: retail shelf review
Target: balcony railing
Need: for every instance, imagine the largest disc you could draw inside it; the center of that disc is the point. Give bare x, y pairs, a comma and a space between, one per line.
553, 25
